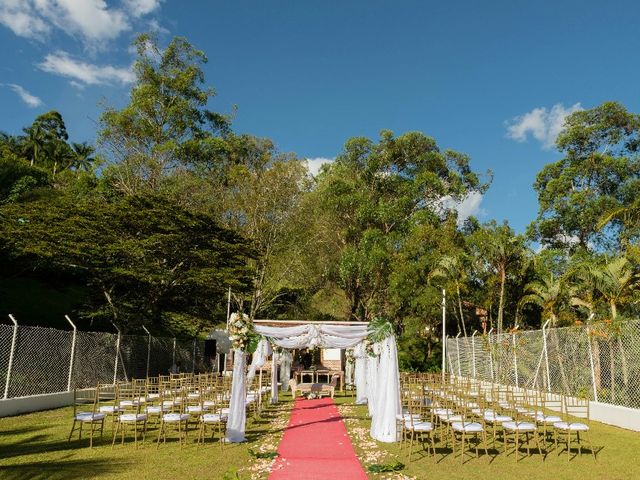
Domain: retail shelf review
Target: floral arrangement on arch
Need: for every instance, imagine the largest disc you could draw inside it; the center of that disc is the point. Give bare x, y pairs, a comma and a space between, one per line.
241, 331
368, 347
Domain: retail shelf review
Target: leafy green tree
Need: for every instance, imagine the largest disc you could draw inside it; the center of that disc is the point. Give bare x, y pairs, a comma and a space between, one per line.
374, 193
453, 269
148, 261
166, 124
600, 172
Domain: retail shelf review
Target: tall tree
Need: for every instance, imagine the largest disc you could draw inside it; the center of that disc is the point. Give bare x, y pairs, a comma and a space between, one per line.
600, 172
374, 193
166, 123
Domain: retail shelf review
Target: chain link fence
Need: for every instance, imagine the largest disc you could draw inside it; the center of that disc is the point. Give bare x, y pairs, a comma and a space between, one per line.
45, 360
600, 362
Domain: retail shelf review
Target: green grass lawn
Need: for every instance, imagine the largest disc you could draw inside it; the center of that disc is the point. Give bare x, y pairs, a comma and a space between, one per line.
617, 454
34, 446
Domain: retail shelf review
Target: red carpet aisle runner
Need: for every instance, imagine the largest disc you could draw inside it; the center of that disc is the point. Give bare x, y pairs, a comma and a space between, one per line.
316, 446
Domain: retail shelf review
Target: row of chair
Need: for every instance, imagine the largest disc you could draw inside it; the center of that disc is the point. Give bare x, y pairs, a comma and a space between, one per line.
172, 403
463, 412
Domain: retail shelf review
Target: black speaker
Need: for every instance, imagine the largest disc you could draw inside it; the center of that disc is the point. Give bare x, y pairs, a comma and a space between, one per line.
210, 348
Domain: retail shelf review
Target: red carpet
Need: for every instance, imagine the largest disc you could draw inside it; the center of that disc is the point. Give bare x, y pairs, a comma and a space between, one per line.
315, 445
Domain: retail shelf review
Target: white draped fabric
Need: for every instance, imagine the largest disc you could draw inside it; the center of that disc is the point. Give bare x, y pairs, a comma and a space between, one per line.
360, 355
348, 373
274, 378
237, 409
383, 423
285, 369
314, 335
372, 382
371, 376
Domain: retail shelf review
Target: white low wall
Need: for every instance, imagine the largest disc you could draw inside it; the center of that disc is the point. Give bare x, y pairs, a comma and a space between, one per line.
34, 403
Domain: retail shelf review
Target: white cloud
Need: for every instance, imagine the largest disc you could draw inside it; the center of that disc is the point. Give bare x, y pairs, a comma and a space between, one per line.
94, 21
61, 63
18, 15
467, 207
314, 164
142, 7
544, 125
31, 100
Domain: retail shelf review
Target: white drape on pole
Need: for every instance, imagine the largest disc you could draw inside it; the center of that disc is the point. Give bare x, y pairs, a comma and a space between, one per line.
286, 359
372, 381
237, 410
313, 335
360, 355
383, 423
274, 378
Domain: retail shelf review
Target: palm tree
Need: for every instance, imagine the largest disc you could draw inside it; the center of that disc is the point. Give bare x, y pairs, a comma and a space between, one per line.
546, 293
83, 156
616, 280
34, 143
451, 268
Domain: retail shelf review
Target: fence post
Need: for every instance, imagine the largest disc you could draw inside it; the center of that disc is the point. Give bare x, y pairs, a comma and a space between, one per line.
515, 357
458, 353
444, 334
193, 358
13, 349
473, 352
593, 370
148, 348
546, 353
115, 366
73, 352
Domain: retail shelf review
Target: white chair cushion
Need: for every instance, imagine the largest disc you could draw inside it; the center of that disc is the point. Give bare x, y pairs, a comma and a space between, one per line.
407, 416
154, 409
451, 418
224, 411
209, 403
109, 409
519, 426
195, 409
213, 418
496, 418
542, 418
467, 427
442, 411
133, 417
419, 426
194, 395
574, 427
153, 395
90, 417
175, 417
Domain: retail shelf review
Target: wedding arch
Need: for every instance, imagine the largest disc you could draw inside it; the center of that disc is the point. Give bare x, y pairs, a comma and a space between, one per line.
377, 378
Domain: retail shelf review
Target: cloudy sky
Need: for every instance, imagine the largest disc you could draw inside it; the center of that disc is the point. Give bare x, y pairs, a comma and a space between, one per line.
492, 79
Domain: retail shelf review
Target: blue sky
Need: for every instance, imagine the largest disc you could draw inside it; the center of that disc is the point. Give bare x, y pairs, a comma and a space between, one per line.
491, 79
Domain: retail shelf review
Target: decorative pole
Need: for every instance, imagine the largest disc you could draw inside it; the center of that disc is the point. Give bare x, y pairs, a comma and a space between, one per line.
115, 366
148, 348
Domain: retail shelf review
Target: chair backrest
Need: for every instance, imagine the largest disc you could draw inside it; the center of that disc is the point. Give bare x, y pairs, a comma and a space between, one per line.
577, 407
85, 399
293, 384
334, 380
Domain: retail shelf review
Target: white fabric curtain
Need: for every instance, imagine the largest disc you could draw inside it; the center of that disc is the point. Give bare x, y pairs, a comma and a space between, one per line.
315, 335
360, 372
286, 359
372, 381
263, 350
383, 423
348, 373
237, 409
274, 378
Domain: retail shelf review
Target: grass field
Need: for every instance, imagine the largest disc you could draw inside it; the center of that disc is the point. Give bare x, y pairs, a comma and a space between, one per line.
34, 446
617, 453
